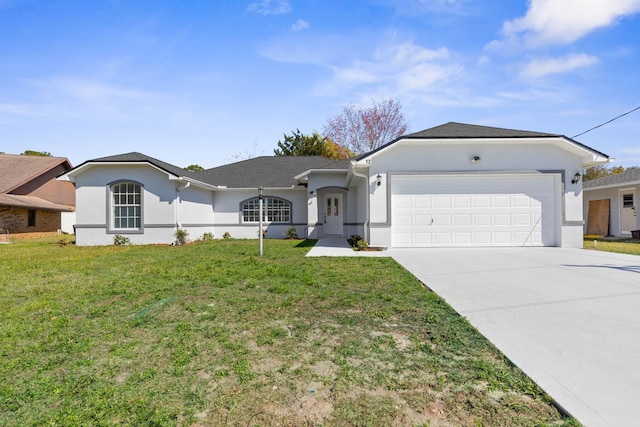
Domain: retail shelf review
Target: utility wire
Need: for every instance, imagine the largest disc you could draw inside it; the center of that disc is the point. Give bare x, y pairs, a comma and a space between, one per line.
602, 124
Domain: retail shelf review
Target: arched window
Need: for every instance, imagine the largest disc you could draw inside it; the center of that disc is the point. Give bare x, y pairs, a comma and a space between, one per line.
274, 209
126, 206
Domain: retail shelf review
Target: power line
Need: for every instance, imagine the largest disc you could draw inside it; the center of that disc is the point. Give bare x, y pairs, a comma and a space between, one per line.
607, 122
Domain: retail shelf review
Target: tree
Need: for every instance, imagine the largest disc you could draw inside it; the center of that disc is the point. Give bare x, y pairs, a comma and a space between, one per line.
194, 168
336, 152
367, 128
36, 153
299, 144
600, 171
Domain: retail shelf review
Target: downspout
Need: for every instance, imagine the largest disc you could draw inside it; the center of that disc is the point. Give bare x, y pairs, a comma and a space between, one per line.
178, 201
366, 222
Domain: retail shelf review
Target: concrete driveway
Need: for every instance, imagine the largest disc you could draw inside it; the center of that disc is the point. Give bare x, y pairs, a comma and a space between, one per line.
569, 318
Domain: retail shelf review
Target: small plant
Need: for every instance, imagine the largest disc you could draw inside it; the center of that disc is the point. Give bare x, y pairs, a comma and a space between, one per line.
362, 244
226, 235
291, 233
64, 241
353, 240
207, 237
119, 240
181, 235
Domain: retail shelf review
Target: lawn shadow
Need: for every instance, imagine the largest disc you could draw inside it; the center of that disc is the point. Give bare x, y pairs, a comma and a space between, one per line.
307, 243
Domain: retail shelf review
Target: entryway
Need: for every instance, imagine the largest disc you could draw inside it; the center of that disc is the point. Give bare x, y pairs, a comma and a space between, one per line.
333, 222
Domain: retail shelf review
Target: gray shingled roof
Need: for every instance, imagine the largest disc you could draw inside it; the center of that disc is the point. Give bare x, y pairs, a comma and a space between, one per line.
454, 130
16, 170
626, 177
135, 157
463, 130
267, 171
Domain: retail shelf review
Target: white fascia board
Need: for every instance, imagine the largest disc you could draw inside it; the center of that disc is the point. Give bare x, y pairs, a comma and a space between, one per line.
194, 182
589, 157
230, 189
306, 173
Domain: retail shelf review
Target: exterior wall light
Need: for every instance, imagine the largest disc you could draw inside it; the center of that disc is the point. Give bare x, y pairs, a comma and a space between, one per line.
379, 180
576, 178
475, 159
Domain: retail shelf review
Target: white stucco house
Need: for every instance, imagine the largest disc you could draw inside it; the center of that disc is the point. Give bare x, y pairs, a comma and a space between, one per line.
610, 204
451, 185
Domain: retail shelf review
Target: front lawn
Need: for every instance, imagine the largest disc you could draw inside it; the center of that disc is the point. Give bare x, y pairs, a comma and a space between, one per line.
623, 246
211, 334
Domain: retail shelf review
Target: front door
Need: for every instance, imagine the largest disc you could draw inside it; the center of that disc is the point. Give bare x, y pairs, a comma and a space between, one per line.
333, 214
628, 211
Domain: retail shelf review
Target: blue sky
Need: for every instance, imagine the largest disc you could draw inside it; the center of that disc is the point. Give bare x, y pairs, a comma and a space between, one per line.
209, 80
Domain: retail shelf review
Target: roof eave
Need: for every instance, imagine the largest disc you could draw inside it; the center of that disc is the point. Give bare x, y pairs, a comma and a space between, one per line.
73, 173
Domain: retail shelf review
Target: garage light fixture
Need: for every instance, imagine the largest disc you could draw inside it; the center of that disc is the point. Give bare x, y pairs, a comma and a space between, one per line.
576, 178
475, 159
379, 180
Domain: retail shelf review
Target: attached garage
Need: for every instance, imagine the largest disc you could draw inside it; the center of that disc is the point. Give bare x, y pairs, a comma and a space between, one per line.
473, 210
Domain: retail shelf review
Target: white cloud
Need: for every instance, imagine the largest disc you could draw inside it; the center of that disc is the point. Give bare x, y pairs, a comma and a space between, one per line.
544, 66
91, 90
300, 25
549, 22
404, 69
270, 7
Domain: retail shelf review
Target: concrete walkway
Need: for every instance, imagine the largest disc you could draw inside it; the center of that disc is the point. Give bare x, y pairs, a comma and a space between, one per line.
569, 318
338, 246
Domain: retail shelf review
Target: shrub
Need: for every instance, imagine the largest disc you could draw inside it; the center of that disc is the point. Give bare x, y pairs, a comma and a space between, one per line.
119, 240
361, 244
291, 233
206, 237
181, 235
64, 241
226, 235
353, 240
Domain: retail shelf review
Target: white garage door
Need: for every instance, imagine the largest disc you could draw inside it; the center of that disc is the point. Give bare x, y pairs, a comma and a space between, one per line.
472, 210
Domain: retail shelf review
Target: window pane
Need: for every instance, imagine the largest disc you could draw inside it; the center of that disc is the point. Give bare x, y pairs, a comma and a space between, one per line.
329, 206
127, 210
335, 206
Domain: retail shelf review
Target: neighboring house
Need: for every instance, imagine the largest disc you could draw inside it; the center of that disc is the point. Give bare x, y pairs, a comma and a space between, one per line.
451, 185
32, 201
611, 203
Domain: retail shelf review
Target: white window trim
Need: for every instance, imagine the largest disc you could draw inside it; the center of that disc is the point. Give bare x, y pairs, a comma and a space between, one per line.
111, 206
265, 219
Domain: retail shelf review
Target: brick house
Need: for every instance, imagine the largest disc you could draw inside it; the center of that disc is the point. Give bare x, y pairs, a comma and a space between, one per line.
32, 201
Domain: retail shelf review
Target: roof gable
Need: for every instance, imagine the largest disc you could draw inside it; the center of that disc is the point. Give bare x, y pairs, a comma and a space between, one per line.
17, 170
135, 157
461, 131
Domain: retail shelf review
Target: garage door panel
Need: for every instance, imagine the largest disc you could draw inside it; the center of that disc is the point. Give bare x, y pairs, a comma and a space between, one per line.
502, 219
462, 219
479, 210
482, 219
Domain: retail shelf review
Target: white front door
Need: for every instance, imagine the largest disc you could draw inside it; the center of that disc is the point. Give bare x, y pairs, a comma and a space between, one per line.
333, 214
628, 211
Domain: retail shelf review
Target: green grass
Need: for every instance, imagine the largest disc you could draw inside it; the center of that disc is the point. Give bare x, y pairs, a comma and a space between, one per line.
623, 246
212, 334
